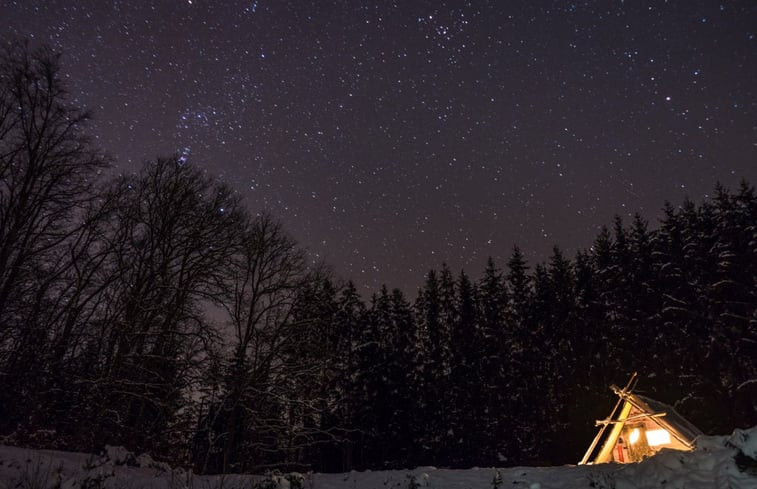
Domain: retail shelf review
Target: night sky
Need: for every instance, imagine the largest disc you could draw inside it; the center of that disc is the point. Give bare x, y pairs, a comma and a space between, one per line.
390, 137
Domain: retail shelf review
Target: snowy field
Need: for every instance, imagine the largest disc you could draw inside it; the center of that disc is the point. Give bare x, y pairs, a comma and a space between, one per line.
720, 462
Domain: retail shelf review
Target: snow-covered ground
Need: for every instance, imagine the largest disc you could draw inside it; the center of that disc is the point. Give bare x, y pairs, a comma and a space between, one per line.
719, 462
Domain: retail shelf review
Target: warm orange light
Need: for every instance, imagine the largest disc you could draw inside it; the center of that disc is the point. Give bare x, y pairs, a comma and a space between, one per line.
658, 437
634, 436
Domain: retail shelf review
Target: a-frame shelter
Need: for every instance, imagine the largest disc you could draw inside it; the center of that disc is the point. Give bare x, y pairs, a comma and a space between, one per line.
637, 428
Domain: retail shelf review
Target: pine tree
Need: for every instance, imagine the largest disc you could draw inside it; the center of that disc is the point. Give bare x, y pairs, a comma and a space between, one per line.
314, 362
519, 285
644, 300
520, 346
370, 383
404, 378
465, 376
350, 318
602, 305
495, 355
435, 364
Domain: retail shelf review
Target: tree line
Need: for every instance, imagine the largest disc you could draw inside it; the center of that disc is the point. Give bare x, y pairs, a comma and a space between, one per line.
154, 311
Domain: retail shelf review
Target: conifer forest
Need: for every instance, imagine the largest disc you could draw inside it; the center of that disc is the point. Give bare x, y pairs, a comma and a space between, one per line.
157, 312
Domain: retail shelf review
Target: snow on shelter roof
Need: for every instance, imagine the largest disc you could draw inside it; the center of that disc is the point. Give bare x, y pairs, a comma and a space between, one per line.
672, 420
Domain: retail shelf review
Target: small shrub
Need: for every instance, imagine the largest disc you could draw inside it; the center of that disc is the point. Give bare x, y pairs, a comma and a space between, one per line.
296, 480
412, 482
745, 463
269, 481
497, 479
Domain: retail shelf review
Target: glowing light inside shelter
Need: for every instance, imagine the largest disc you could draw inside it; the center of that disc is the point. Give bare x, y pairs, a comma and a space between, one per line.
634, 436
658, 437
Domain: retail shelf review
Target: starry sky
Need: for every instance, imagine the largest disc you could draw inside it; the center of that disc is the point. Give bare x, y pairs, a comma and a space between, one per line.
392, 136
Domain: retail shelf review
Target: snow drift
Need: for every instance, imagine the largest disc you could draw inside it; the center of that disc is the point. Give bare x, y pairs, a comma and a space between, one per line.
718, 462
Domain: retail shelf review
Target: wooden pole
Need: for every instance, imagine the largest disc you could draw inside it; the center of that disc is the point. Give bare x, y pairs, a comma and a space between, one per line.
594, 443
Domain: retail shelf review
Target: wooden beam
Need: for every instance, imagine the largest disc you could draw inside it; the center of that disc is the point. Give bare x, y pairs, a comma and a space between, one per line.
587, 455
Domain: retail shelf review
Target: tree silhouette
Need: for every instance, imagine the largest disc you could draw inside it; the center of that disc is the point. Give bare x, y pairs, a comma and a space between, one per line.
48, 167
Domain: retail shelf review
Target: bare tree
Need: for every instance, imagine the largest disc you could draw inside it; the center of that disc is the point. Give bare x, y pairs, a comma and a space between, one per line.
47, 170
249, 412
168, 243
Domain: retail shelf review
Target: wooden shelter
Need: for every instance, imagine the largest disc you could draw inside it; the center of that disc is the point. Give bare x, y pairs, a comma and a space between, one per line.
638, 427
